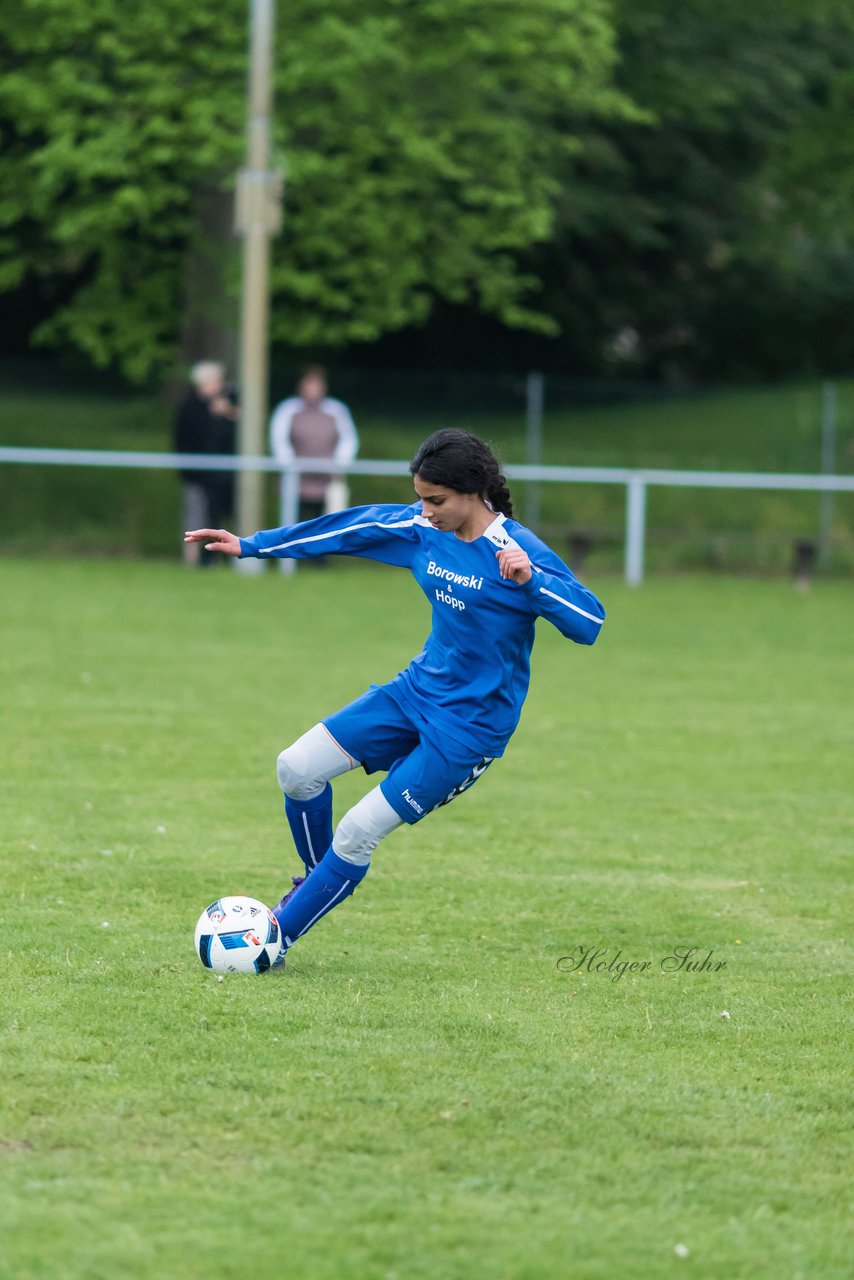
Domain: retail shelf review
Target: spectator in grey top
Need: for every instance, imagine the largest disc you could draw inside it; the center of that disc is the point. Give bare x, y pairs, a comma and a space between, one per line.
313, 425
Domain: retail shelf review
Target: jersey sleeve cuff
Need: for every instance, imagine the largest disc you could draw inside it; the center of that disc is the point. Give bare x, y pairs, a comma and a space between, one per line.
247, 548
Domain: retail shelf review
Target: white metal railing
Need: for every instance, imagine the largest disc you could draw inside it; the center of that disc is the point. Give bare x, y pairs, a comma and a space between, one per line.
636, 480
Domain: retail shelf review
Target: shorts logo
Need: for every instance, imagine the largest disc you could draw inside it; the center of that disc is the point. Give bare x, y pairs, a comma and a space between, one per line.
467, 782
412, 803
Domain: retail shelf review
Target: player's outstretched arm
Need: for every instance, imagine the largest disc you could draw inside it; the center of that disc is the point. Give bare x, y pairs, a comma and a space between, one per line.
215, 540
385, 532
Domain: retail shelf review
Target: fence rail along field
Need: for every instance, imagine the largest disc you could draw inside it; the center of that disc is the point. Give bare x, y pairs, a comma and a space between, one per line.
636, 481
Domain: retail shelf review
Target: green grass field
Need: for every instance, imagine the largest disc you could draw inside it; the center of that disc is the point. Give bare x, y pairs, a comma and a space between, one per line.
65, 510
424, 1092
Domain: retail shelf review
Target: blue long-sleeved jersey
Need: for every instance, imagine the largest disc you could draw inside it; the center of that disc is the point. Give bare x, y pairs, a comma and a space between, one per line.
472, 675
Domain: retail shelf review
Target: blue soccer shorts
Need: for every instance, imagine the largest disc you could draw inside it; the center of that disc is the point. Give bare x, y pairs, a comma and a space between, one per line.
423, 773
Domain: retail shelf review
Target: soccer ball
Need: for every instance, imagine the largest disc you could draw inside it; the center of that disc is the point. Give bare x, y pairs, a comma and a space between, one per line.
238, 935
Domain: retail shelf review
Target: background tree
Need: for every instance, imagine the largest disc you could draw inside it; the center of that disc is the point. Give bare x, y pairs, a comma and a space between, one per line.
668, 253
425, 147
109, 128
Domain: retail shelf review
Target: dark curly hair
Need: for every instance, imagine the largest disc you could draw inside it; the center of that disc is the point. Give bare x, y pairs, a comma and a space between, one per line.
459, 460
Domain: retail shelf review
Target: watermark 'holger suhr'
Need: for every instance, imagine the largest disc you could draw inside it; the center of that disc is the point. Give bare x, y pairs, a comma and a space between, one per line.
682, 959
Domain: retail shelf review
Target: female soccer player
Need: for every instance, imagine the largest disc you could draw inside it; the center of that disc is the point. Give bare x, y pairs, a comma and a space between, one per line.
438, 725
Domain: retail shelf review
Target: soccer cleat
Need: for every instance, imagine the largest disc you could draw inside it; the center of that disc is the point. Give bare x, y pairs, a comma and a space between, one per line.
279, 962
297, 880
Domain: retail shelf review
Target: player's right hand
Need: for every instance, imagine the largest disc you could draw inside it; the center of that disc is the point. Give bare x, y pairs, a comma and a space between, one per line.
215, 540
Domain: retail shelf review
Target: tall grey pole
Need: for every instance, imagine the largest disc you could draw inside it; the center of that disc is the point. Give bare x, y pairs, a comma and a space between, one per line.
828, 466
533, 445
258, 217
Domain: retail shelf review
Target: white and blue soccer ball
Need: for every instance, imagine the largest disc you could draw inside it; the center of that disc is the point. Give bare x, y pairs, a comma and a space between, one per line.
238, 935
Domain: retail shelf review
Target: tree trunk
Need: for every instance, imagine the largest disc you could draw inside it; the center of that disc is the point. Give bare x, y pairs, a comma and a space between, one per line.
210, 325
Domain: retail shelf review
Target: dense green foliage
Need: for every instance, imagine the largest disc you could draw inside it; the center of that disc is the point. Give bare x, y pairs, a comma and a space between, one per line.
424, 146
109, 122
660, 187
423, 1093
681, 248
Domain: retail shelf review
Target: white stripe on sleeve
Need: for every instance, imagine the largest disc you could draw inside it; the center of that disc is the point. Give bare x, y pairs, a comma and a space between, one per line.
572, 606
338, 533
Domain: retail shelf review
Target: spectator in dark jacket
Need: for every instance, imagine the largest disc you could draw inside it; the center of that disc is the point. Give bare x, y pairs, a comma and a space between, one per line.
205, 423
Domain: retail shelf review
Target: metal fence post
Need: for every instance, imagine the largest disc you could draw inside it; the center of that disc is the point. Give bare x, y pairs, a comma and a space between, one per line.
252, 565
828, 466
635, 529
288, 510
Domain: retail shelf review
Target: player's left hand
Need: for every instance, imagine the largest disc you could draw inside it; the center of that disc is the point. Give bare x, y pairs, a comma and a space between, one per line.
215, 540
514, 564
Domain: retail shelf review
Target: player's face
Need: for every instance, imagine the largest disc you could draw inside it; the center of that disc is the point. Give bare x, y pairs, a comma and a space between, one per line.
445, 508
